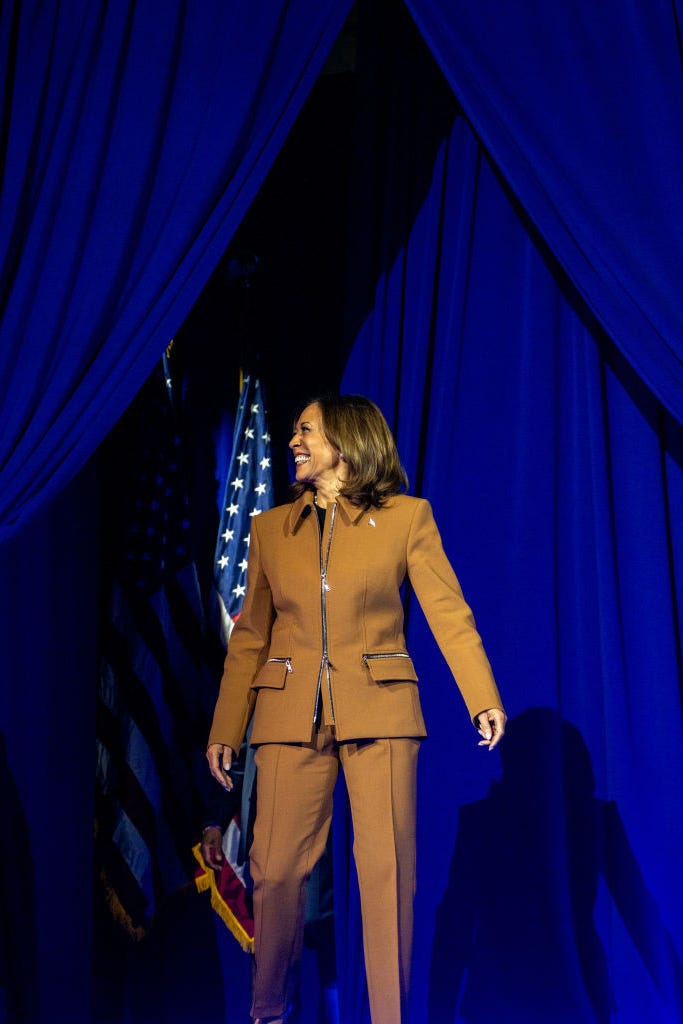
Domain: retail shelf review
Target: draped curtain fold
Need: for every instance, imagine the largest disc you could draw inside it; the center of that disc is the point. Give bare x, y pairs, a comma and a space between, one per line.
547, 875
134, 138
581, 108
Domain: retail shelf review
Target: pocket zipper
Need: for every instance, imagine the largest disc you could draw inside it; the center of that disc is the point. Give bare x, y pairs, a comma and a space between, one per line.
388, 654
283, 661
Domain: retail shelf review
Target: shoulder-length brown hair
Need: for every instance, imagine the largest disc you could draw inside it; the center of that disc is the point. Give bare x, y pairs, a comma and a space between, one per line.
357, 429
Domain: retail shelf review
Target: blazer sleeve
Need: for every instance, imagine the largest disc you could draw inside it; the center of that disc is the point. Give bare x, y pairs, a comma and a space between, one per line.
449, 616
247, 650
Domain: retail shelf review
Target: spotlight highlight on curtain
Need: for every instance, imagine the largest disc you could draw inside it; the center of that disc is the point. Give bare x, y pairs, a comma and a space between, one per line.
135, 137
557, 481
581, 107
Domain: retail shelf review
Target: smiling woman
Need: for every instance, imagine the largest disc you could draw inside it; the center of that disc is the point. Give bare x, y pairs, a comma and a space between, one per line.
318, 659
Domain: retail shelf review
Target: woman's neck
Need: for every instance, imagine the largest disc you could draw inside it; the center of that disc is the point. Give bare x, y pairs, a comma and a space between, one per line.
326, 492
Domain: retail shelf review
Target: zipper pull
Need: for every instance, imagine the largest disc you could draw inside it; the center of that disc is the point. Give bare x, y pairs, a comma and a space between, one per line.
288, 663
326, 586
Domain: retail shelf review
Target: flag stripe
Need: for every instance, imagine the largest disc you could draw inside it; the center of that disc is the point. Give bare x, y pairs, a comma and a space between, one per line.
140, 709
145, 816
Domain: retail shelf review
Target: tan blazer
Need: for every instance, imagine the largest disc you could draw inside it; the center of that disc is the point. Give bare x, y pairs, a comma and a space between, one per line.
340, 631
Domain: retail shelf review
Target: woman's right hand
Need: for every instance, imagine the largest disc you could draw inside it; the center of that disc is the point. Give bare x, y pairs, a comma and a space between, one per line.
220, 756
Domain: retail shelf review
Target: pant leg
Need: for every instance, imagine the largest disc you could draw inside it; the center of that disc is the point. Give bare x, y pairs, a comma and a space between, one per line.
381, 782
295, 784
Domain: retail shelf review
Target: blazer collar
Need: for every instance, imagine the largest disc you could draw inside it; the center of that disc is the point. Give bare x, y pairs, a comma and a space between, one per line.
303, 507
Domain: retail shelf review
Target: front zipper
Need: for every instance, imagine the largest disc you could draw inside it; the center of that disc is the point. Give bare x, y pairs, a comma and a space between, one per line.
324, 588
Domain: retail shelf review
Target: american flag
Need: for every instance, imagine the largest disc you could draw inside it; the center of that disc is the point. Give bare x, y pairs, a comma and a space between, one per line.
248, 492
157, 687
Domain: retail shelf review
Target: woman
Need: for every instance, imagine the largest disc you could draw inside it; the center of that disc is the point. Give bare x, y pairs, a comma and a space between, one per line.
318, 656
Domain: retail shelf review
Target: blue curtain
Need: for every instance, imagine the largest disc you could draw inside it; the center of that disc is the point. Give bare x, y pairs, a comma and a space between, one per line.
48, 662
134, 138
548, 873
581, 108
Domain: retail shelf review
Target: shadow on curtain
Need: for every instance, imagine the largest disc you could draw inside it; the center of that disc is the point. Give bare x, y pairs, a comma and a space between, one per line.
557, 482
558, 839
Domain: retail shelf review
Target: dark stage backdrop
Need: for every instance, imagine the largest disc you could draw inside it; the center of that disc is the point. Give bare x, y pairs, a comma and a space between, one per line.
549, 881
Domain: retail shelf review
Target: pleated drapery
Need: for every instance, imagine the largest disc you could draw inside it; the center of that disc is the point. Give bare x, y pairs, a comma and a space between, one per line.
581, 108
547, 874
135, 136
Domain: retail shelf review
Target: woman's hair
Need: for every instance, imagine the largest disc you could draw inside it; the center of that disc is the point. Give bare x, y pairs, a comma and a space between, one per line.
357, 429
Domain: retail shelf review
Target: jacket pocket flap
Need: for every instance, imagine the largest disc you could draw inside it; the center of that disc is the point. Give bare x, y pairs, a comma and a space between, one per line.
273, 674
387, 668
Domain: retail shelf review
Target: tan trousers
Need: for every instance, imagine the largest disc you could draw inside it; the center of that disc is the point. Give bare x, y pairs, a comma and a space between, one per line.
295, 783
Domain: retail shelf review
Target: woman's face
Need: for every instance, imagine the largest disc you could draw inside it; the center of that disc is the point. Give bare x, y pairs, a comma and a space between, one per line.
315, 460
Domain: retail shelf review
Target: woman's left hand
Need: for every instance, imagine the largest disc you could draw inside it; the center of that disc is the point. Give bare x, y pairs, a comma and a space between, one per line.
491, 727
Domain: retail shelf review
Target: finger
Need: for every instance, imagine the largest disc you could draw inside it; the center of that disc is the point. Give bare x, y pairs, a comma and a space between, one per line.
484, 728
227, 765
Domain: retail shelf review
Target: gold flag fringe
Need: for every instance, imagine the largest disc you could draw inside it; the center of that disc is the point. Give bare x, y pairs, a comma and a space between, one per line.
207, 881
119, 912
